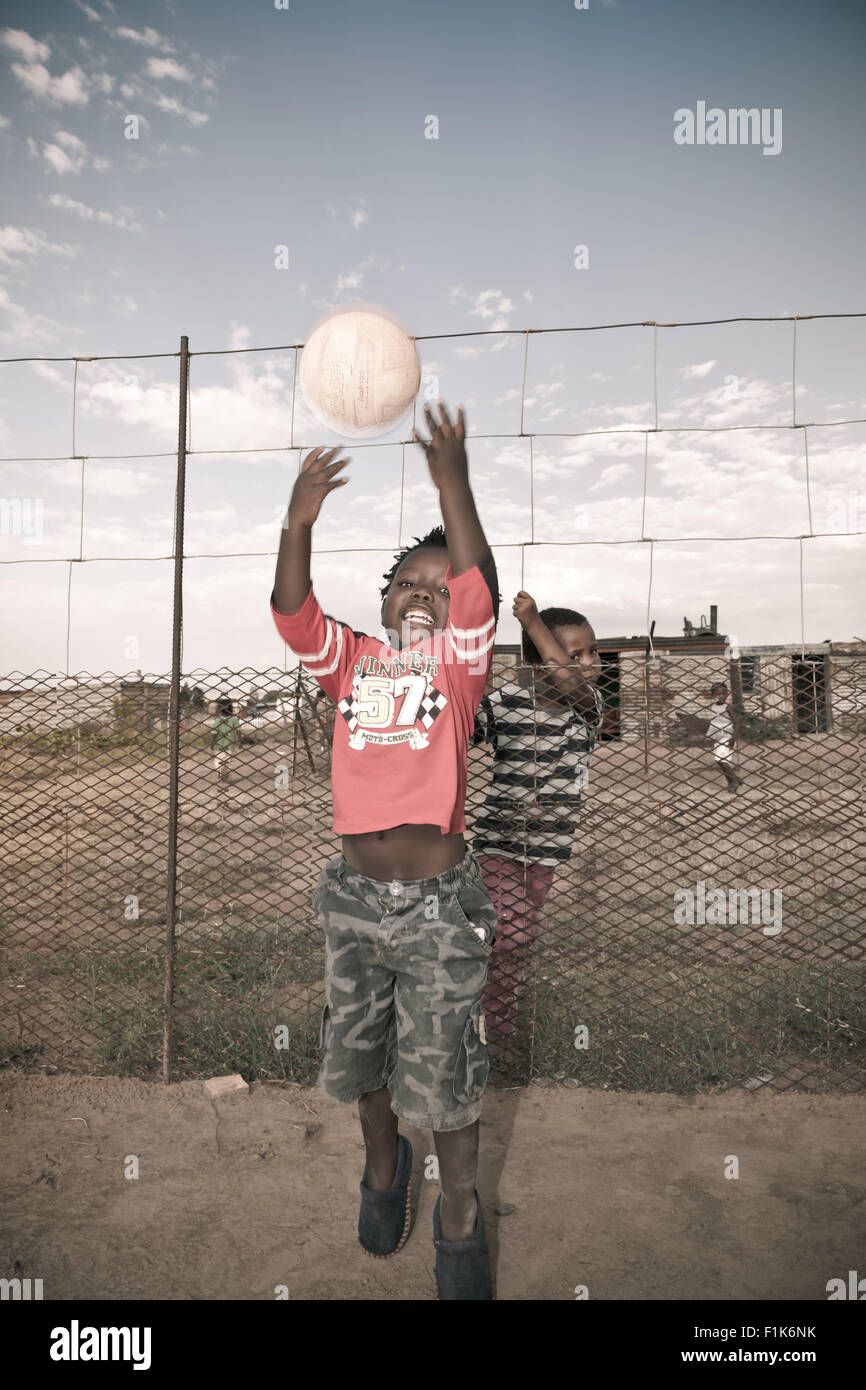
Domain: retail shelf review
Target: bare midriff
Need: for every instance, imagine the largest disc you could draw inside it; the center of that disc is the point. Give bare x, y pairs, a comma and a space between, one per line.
403, 852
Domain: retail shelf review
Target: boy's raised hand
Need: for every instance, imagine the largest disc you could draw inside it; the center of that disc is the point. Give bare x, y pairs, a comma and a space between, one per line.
445, 453
314, 482
524, 608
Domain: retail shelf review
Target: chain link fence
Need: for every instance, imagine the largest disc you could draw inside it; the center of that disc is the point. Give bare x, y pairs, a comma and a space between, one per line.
701, 924
706, 931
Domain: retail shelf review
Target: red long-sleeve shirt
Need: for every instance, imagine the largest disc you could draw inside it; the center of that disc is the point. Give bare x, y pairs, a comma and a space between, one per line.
404, 718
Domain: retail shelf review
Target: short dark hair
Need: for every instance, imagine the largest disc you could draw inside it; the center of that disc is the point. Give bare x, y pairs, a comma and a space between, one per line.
435, 538
551, 617
718, 685
224, 705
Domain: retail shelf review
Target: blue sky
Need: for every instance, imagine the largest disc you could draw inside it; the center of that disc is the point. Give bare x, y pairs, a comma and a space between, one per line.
305, 127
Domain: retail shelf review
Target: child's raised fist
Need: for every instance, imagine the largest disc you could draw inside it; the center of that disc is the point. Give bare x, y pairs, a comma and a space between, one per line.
524, 608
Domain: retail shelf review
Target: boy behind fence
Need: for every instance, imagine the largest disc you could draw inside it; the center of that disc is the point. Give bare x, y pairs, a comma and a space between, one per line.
224, 737
543, 738
408, 923
722, 732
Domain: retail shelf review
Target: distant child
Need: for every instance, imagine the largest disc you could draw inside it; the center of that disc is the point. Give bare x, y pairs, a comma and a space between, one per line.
225, 737
543, 739
408, 923
722, 730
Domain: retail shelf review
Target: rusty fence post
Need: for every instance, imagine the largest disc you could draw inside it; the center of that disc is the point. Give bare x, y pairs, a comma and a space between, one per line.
174, 721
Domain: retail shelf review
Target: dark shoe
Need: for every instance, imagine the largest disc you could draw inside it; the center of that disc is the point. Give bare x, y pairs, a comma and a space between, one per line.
386, 1217
462, 1266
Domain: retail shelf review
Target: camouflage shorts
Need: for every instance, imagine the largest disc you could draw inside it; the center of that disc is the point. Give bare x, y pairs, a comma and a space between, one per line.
405, 965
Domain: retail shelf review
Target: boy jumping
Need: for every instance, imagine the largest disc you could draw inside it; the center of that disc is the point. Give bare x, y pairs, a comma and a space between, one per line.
409, 925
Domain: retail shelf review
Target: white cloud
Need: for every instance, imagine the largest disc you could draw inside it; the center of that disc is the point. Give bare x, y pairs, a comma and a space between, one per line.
61, 162
17, 242
614, 473
166, 148
70, 141
68, 154
251, 412
150, 38
122, 218
25, 328
492, 304
49, 372
68, 90
20, 42
5, 123
698, 369
354, 210
754, 401
173, 107
239, 336
351, 279
167, 67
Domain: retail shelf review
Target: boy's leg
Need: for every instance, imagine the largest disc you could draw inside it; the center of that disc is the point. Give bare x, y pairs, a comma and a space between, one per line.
442, 945
518, 889
457, 1150
379, 1127
726, 763
503, 880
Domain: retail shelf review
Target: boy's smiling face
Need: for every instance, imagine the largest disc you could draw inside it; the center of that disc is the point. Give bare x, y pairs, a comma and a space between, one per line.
416, 605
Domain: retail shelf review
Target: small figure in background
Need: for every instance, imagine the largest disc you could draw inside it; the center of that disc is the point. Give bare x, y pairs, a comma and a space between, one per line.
722, 730
225, 737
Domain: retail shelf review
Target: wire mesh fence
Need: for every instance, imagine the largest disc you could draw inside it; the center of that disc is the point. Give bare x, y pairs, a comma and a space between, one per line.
707, 929
697, 920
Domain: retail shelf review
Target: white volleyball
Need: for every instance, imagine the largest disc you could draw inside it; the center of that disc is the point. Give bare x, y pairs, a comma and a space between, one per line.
359, 372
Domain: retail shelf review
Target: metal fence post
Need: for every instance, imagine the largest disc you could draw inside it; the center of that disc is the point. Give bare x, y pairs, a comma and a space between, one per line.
174, 720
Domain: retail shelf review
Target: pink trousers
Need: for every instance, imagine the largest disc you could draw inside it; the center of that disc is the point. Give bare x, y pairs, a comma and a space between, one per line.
518, 889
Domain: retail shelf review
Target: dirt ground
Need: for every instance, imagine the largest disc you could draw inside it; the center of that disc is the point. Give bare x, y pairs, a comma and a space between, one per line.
625, 1194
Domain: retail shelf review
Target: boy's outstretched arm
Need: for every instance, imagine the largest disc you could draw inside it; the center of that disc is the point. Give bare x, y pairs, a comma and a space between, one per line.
566, 676
449, 469
312, 485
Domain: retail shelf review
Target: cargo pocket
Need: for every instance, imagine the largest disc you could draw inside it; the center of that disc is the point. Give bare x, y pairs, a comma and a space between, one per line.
473, 1063
324, 1028
478, 918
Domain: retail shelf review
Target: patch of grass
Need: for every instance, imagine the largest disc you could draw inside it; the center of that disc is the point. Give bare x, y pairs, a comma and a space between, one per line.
224, 1011
717, 1030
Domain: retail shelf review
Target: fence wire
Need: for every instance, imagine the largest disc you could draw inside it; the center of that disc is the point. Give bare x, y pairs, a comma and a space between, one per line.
623, 968
695, 937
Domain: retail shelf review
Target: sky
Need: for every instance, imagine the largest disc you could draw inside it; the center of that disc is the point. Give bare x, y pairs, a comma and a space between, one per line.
233, 172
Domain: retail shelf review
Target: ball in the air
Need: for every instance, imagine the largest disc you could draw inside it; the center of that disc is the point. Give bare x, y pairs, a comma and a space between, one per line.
360, 372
